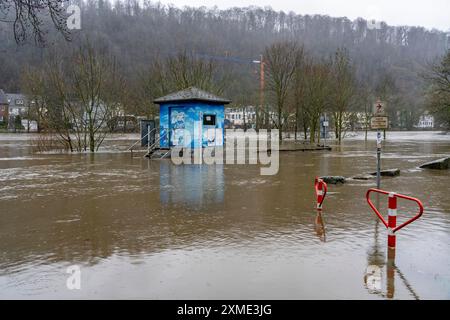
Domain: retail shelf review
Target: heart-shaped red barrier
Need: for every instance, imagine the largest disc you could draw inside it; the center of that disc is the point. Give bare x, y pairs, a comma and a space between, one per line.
396, 195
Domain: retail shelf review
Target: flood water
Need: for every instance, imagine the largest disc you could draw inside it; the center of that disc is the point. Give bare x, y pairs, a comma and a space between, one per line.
152, 230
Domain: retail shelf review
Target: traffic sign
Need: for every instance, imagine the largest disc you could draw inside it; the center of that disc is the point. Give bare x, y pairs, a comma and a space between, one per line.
379, 122
379, 109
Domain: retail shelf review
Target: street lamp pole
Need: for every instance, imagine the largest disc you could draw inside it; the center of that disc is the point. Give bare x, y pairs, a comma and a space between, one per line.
261, 88
261, 85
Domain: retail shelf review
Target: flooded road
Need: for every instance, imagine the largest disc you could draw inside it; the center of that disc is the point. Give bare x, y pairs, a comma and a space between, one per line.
153, 230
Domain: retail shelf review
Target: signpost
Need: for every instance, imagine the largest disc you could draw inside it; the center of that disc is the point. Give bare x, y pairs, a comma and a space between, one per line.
378, 159
325, 125
379, 121
147, 132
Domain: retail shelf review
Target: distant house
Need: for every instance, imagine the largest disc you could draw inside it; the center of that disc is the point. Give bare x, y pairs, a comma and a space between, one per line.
3, 107
240, 117
195, 110
13, 105
426, 121
18, 104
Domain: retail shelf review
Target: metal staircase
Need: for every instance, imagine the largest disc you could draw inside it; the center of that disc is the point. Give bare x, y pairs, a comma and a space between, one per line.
151, 150
140, 149
159, 154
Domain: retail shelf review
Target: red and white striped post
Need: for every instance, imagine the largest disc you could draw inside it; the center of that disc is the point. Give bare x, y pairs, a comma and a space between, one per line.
391, 223
319, 194
392, 219
321, 190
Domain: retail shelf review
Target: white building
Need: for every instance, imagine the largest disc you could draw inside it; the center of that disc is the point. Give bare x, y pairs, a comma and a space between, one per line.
18, 104
426, 121
238, 117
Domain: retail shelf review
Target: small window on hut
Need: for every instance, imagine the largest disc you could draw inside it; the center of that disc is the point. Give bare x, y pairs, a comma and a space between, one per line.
209, 119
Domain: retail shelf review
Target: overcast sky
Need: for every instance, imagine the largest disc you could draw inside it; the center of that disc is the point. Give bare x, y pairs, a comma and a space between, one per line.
427, 13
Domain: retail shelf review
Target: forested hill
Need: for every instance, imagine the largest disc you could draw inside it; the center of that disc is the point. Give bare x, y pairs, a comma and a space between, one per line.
135, 34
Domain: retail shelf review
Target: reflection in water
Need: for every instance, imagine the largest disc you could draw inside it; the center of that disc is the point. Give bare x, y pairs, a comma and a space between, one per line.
372, 279
319, 226
193, 185
407, 284
390, 271
324, 168
376, 261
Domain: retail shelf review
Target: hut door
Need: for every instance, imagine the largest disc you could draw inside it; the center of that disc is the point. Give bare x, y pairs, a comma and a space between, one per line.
177, 126
209, 122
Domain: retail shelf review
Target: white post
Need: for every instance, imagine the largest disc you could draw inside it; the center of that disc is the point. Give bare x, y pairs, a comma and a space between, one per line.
378, 159
148, 140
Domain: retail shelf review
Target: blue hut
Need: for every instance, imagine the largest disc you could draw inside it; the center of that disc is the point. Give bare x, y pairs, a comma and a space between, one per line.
192, 109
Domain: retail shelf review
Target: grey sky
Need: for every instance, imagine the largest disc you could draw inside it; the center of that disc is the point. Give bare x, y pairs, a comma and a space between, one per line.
427, 13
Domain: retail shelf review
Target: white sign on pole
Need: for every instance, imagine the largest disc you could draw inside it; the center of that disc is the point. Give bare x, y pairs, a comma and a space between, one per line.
325, 123
379, 123
379, 139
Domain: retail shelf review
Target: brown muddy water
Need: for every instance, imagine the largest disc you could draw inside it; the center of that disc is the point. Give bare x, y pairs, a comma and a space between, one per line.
153, 230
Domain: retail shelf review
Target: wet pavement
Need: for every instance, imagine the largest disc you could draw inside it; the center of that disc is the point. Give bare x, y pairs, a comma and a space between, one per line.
150, 229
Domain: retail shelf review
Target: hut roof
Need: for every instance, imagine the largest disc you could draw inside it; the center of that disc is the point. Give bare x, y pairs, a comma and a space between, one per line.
3, 97
191, 93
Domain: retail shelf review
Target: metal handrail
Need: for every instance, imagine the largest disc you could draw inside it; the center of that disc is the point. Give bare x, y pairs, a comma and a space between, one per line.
165, 154
154, 144
157, 140
131, 148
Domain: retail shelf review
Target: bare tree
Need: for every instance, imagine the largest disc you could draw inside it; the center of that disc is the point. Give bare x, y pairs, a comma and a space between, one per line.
85, 92
301, 116
438, 77
281, 59
317, 95
365, 98
149, 85
177, 73
96, 87
387, 90
343, 90
33, 84
185, 70
48, 108
29, 17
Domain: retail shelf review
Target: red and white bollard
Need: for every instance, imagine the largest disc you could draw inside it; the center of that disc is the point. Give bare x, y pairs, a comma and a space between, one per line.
391, 224
321, 191
392, 219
